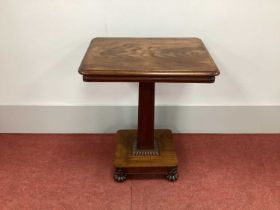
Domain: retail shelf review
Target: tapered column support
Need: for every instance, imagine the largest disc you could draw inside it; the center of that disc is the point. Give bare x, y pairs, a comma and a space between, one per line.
146, 107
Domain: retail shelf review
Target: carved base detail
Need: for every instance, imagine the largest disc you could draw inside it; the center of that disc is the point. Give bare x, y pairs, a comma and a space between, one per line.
145, 152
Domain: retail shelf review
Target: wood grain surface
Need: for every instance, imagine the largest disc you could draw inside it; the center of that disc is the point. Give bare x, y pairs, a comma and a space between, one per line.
148, 59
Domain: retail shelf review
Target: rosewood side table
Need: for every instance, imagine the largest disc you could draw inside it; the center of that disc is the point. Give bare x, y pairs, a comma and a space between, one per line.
147, 61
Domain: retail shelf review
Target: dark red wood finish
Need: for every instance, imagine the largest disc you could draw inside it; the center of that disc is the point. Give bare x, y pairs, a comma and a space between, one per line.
145, 139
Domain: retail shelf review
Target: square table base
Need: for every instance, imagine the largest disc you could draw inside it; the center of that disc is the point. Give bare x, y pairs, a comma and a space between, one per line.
128, 163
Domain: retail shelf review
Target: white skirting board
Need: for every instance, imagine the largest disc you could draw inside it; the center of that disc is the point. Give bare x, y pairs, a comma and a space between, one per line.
109, 119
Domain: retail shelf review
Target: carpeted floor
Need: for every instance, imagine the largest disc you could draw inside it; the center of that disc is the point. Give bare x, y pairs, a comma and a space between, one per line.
75, 172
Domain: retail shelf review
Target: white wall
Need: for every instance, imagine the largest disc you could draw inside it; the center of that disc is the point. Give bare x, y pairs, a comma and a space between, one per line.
42, 44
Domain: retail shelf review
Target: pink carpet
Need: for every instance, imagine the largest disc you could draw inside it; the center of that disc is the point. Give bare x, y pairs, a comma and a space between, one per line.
75, 172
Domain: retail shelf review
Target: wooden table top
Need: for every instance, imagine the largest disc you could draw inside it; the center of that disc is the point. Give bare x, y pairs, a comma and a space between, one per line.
148, 59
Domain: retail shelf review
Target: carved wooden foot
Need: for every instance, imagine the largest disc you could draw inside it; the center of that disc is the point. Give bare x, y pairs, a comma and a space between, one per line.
119, 175
172, 174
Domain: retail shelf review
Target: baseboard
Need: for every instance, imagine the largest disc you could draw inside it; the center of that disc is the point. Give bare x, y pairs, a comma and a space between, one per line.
108, 119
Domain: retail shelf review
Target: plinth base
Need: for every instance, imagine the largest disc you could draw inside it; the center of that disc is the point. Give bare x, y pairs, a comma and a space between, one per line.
127, 163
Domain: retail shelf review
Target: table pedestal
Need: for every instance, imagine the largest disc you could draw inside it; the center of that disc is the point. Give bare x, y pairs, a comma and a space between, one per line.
145, 151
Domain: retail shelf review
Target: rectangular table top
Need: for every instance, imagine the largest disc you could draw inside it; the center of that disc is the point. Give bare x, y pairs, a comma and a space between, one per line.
148, 59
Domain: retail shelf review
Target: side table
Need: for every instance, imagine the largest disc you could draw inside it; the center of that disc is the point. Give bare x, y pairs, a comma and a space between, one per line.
147, 61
